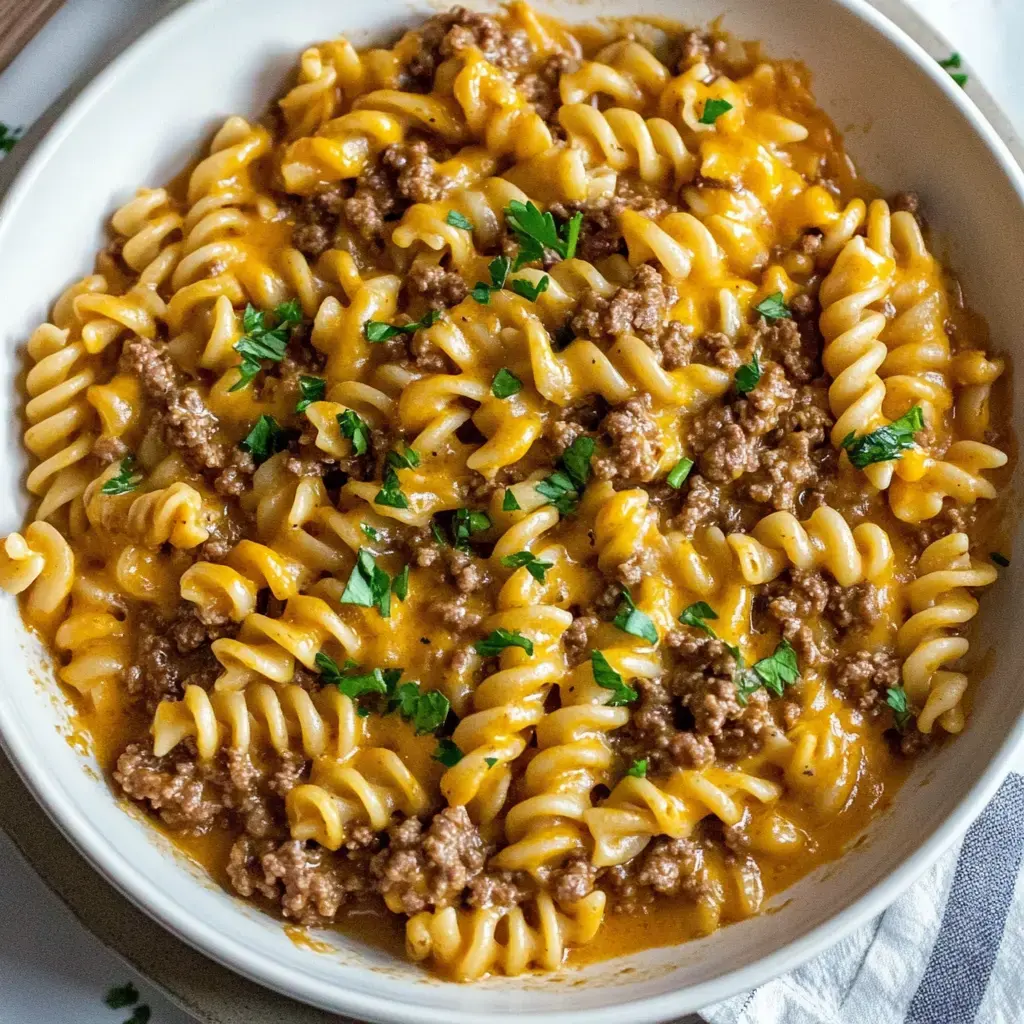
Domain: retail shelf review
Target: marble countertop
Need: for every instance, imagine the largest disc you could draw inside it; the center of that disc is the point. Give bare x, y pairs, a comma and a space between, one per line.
51, 969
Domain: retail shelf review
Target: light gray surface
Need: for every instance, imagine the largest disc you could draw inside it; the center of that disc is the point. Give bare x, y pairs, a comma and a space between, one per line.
83, 37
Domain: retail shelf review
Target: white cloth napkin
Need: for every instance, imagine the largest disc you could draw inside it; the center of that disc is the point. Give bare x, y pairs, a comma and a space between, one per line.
950, 951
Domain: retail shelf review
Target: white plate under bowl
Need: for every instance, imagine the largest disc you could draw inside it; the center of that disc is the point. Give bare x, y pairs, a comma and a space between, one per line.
144, 117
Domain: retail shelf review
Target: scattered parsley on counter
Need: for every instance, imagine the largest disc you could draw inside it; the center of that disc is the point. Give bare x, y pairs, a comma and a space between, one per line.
121, 996
951, 63
8, 137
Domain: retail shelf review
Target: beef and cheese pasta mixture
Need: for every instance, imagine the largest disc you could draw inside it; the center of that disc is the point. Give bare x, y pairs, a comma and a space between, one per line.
526, 487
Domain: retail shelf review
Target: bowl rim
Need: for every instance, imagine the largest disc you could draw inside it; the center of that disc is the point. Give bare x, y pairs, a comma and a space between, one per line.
148, 895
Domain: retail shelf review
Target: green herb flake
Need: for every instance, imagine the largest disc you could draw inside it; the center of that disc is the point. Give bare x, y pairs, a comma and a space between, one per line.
631, 620
954, 61
465, 523
713, 110
695, 614
576, 460
505, 384
262, 343
400, 584
458, 220
126, 480
534, 566
368, 585
510, 503
426, 711
390, 494
121, 996
140, 1015
778, 670
559, 491
438, 533
528, 291
537, 232
490, 761
377, 331
748, 375
407, 459
500, 639
608, 679
8, 137
774, 308
679, 472
999, 559
638, 769
352, 684
498, 268
447, 753
369, 531
312, 389
896, 698
886, 443
266, 438
356, 429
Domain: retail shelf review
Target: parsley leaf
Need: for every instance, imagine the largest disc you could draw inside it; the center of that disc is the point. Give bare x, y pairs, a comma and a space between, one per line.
534, 566
400, 584
505, 384
438, 533
576, 460
885, 443
631, 620
125, 480
713, 110
779, 669
447, 753
679, 472
695, 614
490, 761
560, 492
537, 232
121, 996
498, 640
369, 531
999, 559
774, 308
530, 292
457, 220
607, 678
638, 769
261, 342
498, 269
377, 331
8, 137
748, 375
266, 438
390, 493
368, 585
746, 684
954, 61
409, 459
426, 711
896, 698
312, 389
510, 503
352, 684
465, 523
355, 428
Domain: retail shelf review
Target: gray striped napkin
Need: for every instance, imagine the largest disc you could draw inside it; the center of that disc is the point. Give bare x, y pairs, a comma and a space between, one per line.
950, 951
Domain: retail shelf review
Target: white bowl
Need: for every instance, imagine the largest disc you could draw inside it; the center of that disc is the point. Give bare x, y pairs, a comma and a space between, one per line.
908, 126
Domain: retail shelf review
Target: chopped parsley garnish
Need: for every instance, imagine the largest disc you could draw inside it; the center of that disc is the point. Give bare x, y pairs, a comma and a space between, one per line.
355, 428
465, 523
564, 486
638, 769
748, 375
426, 711
261, 342
500, 639
679, 472
537, 232
408, 459
400, 584
490, 761
713, 110
510, 503
8, 137
312, 389
560, 492
355, 684
607, 678
368, 586
447, 753
125, 480
438, 533
369, 531
505, 384
774, 673
390, 493
498, 268
885, 443
896, 698
631, 620
530, 292
576, 460
774, 308
999, 559
695, 614
266, 438
954, 61
377, 331
121, 996
457, 220
534, 566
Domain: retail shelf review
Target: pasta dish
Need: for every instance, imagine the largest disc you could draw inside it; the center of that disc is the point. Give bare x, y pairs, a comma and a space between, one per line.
527, 489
